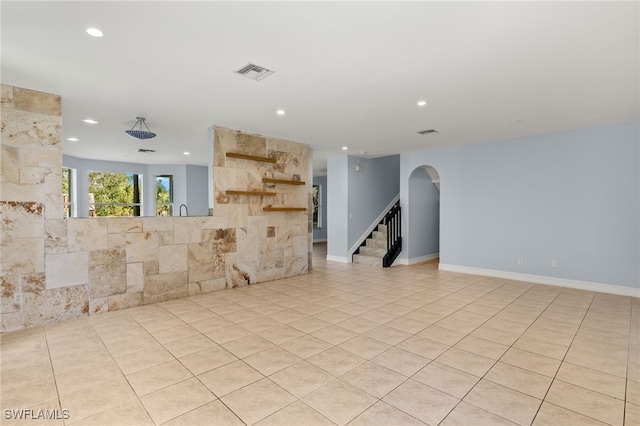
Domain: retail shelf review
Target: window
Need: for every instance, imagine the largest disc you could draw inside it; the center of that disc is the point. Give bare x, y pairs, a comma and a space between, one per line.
317, 206
68, 192
115, 194
164, 195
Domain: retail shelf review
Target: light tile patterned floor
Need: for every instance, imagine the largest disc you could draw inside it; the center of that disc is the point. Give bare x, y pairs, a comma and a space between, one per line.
347, 344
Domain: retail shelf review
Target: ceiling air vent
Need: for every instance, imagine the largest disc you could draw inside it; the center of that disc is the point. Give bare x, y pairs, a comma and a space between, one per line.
254, 72
146, 151
427, 132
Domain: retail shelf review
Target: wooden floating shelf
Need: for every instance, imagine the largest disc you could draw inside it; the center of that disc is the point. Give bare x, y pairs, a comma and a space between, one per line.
284, 181
261, 193
284, 209
251, 157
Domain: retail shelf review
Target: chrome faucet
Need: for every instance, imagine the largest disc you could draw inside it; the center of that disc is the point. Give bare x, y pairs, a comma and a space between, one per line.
185, 209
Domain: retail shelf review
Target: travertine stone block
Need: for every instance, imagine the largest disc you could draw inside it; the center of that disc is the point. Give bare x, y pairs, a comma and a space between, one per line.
295, 266
107, 272
10, 293
123, 301
213, 285
300, 245
251, 144
21, 256
172, 258
28, 129
34, 283
142, 247
6, 96
135, 277
224, 240
116, 241
187, 230
98, 305
200, 258
165, 238
21, 220
157, 224
124, 225
38, 102
10, 164
54, 305
87, 234
67, 269
55, 236
161, 287
214, 222
11, 321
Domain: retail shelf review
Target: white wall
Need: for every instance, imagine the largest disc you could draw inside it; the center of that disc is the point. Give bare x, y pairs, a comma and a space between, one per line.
571, 196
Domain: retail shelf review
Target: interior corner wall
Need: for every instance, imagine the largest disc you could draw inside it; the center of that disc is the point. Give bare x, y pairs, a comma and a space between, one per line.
423, 216
370, 190
571, 196
337, 208
320, 234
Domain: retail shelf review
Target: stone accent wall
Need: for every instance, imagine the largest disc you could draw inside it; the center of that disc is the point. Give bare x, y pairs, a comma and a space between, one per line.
53, 269
270, 245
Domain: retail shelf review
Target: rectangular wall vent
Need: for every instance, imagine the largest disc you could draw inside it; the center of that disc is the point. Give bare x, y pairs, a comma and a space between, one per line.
428, 131
146, 151
253, 71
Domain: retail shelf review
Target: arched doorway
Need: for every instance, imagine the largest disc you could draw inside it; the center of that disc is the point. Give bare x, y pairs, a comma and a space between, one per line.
424, 215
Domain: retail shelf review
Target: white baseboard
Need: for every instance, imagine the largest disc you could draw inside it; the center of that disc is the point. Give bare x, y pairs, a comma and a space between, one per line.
541, 279
338, 259
320, 240
419, 259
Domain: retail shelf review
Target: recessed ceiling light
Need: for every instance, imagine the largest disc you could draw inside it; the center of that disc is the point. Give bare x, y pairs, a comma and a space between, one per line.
94, 32
422, 103
73, 139
186, 153
344, 148
90, 121
280, 112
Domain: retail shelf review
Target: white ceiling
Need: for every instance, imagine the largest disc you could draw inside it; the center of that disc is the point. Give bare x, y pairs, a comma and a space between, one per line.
346, 73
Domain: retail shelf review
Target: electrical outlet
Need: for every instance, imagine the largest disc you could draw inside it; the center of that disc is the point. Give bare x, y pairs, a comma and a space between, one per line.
520, 261
554, 263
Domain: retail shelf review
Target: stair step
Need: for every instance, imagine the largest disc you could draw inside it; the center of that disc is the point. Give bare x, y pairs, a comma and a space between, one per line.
382, 228
377, 235
373, 251
374, 243
367, 260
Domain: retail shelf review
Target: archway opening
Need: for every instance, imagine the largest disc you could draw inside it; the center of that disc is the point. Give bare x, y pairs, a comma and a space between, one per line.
424, 216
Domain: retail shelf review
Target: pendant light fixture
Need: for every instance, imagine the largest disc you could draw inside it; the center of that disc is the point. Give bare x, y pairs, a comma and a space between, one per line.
140, 133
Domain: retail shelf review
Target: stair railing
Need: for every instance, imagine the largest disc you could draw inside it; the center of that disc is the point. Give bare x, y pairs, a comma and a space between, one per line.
394, 235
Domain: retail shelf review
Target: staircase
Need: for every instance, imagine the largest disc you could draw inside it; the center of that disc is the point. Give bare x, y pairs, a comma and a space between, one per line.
375, 248
384, 244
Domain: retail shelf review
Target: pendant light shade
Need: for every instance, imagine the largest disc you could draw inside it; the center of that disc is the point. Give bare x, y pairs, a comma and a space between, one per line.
140, 133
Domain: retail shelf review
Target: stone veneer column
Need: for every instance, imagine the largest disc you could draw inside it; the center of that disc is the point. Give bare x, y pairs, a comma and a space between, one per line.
31, 195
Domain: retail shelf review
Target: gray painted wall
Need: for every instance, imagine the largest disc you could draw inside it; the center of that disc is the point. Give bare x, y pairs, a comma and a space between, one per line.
181, 182
423, 215
321, 233
356, 198
571, 196
337, 206
198, 190
370, 191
